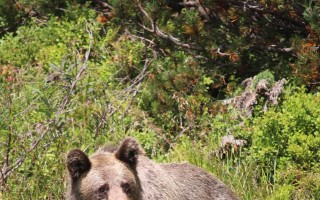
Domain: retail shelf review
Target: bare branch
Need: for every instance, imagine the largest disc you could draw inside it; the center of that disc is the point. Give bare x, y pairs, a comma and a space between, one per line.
229, 145
138, 80
184, 130
7, 170
82, 69
139, 37
249, 98
155, 29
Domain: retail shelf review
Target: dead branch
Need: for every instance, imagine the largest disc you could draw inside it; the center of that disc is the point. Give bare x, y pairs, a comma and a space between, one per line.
275, 91
183, 131
140, 38
155, 29
229, 145
82, 69
249, 98
137, 83
7, 170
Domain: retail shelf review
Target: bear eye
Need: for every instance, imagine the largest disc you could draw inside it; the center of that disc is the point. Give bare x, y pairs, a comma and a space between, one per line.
126, 187
104, 188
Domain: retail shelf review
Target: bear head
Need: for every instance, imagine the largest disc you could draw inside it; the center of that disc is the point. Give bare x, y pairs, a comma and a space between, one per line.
108, 174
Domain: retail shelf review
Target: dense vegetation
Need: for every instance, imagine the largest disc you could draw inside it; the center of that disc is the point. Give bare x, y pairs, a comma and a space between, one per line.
177, 75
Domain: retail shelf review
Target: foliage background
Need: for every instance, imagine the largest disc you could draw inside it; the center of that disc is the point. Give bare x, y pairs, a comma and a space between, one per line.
82, 74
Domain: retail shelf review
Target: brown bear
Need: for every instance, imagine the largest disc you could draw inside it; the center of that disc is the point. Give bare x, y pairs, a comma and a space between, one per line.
125, 173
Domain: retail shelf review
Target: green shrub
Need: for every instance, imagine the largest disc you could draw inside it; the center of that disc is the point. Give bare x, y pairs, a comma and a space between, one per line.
289, 134
37, 45
287, 137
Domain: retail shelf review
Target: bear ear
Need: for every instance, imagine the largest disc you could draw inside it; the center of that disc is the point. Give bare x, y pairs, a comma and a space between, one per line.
129, 151
77, 163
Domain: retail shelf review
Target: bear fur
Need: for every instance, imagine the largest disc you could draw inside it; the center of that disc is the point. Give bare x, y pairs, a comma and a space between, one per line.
125, 173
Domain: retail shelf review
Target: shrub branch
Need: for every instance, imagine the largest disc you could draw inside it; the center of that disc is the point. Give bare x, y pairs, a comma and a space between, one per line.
43, 128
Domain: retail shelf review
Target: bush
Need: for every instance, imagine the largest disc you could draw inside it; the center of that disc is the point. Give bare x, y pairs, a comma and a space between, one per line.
289, 134
287, 137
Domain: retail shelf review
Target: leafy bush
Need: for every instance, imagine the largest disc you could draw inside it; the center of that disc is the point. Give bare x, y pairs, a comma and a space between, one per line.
43, 45
286, 138
289, 134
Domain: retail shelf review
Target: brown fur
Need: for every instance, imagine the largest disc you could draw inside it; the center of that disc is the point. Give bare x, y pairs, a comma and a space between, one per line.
126, 174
